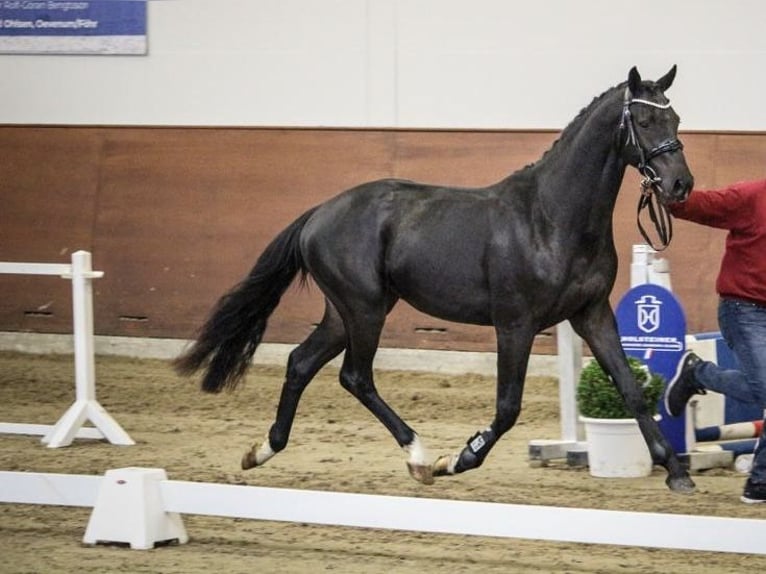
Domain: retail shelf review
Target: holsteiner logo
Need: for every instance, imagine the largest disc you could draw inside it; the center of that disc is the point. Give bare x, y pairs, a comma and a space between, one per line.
650, 320
648, 313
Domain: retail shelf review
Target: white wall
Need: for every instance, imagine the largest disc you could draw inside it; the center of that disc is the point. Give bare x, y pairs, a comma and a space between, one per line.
406, 63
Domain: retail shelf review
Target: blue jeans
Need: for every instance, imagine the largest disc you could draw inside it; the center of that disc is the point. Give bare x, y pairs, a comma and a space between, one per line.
743, 327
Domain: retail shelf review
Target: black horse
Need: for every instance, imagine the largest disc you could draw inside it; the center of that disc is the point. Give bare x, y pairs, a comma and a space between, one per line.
521, 256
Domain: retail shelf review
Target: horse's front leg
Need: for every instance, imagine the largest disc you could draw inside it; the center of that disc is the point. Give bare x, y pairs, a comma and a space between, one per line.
513, 348
599, 329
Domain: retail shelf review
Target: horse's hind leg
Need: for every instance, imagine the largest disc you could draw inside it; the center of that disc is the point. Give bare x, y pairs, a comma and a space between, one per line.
325, 343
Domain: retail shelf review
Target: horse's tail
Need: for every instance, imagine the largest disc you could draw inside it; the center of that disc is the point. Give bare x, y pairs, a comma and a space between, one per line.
228, 339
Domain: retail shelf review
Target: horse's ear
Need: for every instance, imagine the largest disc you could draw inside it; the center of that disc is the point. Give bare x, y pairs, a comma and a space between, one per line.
634, 80
667, 80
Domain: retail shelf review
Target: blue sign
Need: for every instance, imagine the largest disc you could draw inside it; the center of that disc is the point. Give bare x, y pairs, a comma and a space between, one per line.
73, 27
652, 328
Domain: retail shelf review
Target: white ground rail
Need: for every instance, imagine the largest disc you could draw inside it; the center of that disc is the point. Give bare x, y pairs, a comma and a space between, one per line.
141, 507
85, 407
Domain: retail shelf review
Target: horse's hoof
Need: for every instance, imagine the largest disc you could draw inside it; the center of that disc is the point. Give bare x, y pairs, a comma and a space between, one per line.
444, 465
248, 460
681, 484
421, 472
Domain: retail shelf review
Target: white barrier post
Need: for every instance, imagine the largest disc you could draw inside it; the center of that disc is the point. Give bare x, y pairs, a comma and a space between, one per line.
85, 407
570, 364
645, 267
572, 438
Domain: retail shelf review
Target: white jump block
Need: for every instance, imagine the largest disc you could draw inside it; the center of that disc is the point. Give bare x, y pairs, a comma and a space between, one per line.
129, 510
704, 460
550, 449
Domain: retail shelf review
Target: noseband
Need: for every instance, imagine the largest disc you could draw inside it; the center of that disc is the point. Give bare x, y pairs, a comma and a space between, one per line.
658, 214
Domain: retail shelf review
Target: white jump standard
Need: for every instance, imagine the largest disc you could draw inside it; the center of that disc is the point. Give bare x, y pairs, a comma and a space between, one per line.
86, 407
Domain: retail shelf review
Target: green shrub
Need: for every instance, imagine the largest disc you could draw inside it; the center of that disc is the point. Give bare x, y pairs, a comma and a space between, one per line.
598, 397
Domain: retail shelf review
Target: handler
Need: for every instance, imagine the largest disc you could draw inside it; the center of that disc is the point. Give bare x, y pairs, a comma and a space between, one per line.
741, 209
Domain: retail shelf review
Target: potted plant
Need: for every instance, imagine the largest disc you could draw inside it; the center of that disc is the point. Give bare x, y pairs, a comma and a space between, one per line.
616, 447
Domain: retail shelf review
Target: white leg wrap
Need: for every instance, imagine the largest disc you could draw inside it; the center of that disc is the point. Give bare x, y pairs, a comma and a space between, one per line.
452, 463
416, 452
264, 453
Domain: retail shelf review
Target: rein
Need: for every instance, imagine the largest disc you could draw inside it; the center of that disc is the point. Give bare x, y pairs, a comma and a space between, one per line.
658, 213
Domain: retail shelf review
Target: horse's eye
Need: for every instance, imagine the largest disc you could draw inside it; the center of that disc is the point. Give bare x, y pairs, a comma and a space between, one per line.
644, 123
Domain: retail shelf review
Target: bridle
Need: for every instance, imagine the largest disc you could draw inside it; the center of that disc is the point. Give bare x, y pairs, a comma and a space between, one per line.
650, 183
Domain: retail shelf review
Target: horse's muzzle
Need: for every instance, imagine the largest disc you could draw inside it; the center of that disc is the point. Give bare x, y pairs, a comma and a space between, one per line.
678, 191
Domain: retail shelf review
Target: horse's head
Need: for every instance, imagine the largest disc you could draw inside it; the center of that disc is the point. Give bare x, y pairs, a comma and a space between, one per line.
649, 137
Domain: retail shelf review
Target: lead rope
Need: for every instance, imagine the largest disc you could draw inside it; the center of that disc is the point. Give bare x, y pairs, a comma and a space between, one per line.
658, 213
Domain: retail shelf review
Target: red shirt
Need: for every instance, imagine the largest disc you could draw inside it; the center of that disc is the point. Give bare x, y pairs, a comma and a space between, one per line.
740, 208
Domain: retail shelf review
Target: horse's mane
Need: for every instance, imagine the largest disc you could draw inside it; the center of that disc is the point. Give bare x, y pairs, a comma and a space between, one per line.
574, 126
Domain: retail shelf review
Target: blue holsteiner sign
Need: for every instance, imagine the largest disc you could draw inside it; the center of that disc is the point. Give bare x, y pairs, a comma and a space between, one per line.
652, 327
73, 27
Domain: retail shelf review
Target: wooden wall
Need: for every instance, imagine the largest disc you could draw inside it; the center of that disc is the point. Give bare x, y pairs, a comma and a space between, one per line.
175, 216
